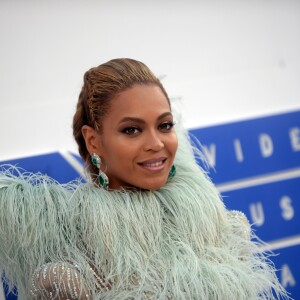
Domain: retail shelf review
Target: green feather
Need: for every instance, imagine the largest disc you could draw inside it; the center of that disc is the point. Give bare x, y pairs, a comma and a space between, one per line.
178, 241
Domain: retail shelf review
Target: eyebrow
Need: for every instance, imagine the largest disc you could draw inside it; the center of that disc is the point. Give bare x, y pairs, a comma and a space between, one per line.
138, 120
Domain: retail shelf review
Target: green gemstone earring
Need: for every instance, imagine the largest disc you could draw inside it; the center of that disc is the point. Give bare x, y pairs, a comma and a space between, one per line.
102, 178
172, 172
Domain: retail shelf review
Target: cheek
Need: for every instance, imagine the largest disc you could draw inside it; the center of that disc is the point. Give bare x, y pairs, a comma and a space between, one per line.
124, 152
173, 144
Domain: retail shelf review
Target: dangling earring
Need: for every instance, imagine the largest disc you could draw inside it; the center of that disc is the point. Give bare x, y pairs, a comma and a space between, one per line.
172, 172
102, 178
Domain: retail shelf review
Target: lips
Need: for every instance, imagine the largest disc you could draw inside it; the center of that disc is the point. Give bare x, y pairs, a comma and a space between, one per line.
155, 164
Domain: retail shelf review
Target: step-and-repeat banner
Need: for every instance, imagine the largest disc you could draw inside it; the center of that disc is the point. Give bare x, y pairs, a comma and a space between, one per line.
256, 167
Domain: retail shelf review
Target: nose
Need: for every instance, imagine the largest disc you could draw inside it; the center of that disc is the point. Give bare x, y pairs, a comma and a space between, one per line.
153, 142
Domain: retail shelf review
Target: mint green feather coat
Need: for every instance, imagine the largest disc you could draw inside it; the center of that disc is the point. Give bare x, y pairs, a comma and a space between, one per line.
178, 242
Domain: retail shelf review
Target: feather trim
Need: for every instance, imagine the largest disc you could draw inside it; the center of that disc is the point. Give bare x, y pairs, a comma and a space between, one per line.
178, 242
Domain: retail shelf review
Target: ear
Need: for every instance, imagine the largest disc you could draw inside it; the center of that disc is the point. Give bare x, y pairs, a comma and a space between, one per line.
92, 139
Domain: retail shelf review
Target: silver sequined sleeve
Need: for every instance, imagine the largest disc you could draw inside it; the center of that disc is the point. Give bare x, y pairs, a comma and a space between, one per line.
59, 280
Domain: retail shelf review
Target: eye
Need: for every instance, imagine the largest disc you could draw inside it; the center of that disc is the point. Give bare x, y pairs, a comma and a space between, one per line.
166, 126
131, 130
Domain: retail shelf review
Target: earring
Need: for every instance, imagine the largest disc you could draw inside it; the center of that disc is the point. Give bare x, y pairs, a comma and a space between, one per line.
172, 172
102, 178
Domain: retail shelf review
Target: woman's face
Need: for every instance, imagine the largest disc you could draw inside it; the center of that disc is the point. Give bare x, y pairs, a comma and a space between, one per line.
138, 142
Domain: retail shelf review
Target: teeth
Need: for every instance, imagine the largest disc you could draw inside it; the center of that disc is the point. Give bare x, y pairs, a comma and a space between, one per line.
159, 163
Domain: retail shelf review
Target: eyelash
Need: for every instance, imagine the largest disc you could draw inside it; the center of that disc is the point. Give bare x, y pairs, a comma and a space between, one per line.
164, 127
169, 126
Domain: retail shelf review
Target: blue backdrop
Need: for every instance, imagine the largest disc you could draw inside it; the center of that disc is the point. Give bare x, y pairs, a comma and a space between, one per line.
256, 166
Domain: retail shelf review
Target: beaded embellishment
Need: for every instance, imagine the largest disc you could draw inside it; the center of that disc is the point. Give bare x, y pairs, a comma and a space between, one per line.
57, 281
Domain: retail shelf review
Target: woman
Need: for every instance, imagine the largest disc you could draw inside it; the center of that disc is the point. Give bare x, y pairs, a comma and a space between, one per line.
148, 225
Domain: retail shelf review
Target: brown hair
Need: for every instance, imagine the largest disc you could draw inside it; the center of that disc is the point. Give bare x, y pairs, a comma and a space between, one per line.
100, 85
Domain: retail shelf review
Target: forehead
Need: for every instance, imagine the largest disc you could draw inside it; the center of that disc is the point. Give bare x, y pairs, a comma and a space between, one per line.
140, 99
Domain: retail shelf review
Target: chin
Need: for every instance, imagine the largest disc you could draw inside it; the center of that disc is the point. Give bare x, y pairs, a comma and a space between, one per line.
154, 184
